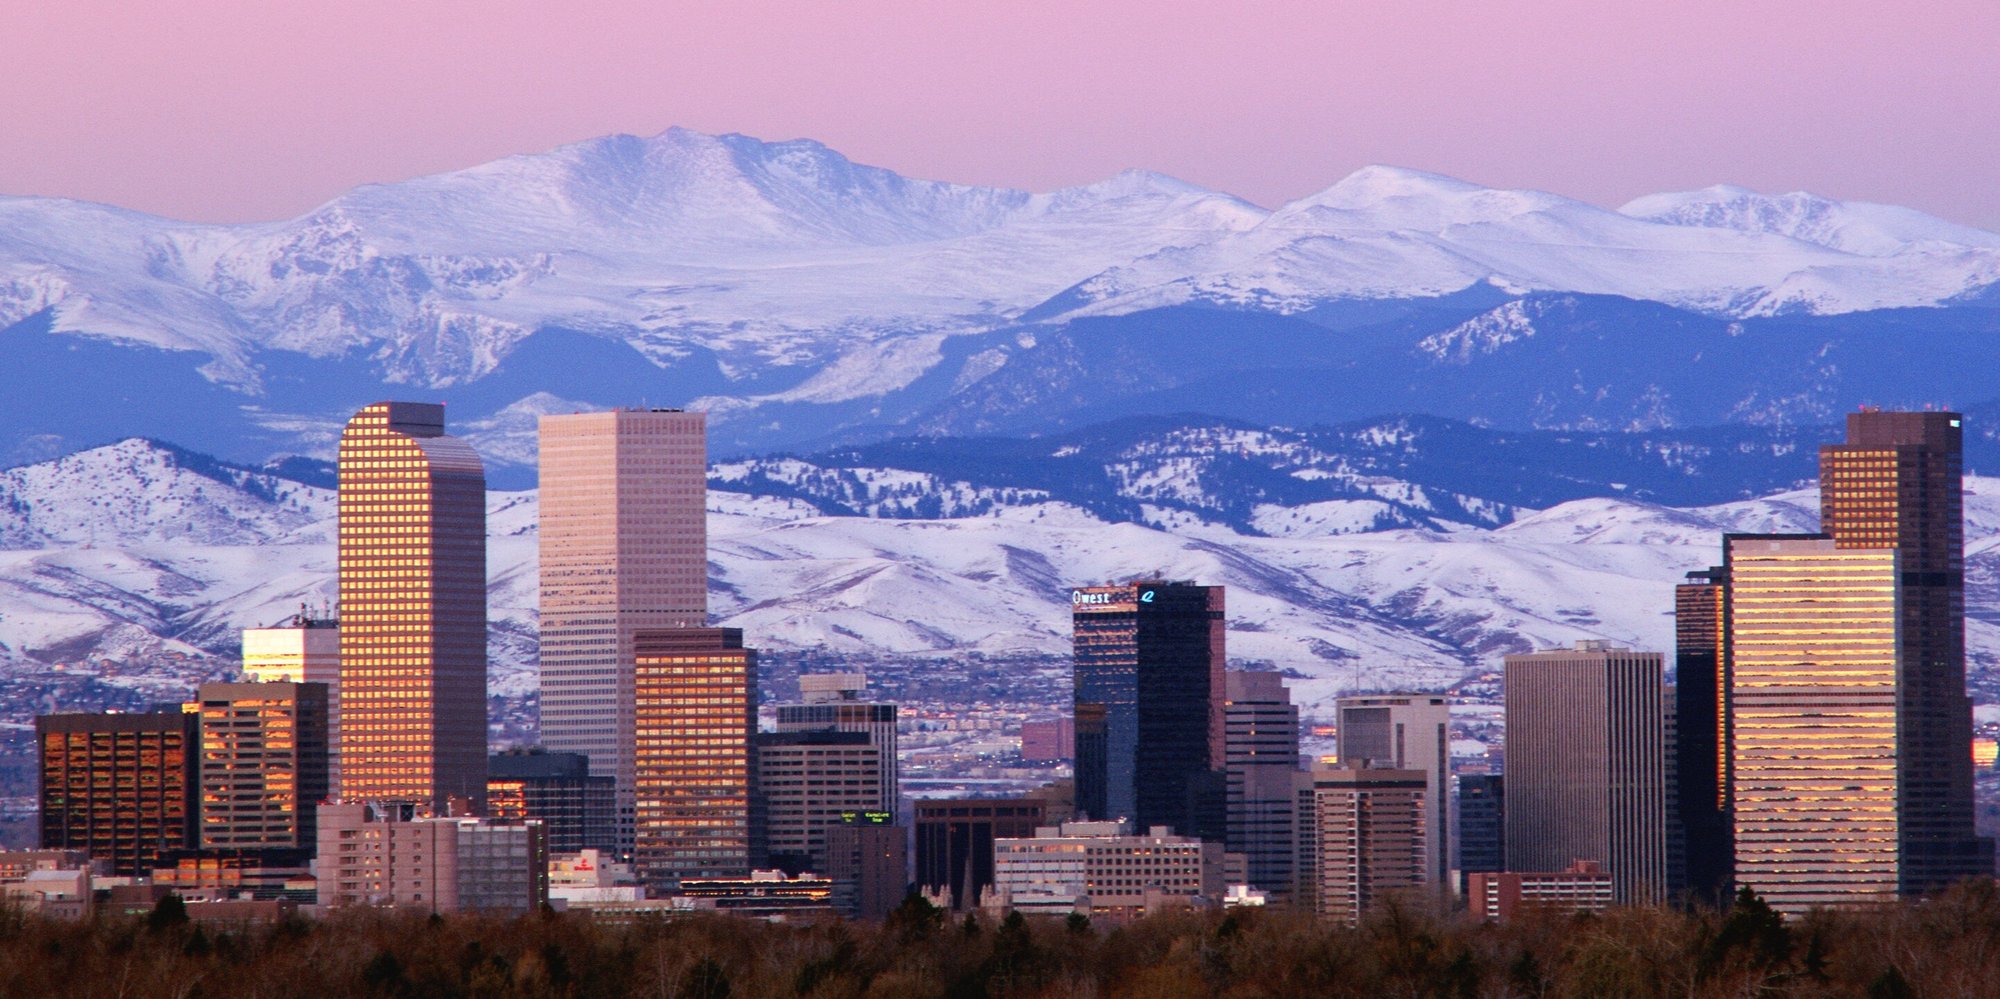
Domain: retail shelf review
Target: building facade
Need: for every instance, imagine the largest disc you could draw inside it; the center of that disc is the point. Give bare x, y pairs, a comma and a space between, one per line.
1813, 640
389, 855
120, 787
1701, 734
1585, 764
1482, 826
1897, 483
1405, 732
696, 698
304, 650
849, 713
624, 549
954, 843
868, 860
413, 608
578, 809
263, 764
805, 782
1361, 838
1261, 761
1584, 886
1149, 692
1105, 871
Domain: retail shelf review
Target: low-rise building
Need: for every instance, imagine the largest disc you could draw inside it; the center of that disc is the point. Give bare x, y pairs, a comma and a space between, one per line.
1104, 870
1584, 887
372, 854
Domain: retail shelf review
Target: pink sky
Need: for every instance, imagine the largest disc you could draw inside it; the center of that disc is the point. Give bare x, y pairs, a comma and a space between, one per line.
230, 109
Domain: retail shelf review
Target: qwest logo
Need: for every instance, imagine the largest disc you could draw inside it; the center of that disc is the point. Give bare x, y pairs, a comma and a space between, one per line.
1146, 597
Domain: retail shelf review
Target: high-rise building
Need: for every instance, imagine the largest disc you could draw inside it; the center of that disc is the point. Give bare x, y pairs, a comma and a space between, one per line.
624, 549
1261, 759
1482, 826
1148, 704
263, 765
1701, 734
1586, 767
1361, 837
304, 650
119, 786
412, 609
1405, 732
579, 809
1897, 484
392, 856
955, 843
696, 722
868, 860
805, 782
1814, 720
844, 710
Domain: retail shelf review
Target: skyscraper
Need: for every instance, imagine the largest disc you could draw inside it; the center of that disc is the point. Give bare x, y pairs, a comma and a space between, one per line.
304, 650
1701, 736
1405, 732
805, 782
1482, 826
1261, 759
1897, 483
263, 768
120, 786
1586, 768
412, 607
696, 722
1149, 704
833, 703
1813, 719
624, 548
1360, 838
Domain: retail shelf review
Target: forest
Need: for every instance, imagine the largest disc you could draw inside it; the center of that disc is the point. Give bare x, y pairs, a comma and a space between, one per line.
1946, 946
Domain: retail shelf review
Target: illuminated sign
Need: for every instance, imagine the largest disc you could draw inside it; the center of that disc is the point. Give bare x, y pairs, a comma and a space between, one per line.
1146, 597
869, 818
1082, 599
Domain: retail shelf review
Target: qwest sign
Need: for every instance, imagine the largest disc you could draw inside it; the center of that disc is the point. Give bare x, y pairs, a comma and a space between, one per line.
1086, 598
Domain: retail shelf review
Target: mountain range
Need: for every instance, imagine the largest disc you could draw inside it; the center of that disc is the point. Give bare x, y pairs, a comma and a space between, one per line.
805, 302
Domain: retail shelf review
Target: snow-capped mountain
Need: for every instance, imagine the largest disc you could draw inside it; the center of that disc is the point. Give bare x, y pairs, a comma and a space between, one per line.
802, 298
118, 587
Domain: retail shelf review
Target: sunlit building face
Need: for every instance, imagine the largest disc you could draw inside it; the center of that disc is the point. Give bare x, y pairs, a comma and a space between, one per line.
1814, 643
412, 608
696, 720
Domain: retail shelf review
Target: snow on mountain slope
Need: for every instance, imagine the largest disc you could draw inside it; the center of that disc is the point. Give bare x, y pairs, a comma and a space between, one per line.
1339, 612
1857, 227
1384, 232
788, 258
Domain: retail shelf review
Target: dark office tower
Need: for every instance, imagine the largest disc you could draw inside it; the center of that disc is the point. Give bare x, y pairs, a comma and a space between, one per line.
1406, 732
412, 609
696, 695
868, 859
1586, 769
955, 843
577, 808
1897, 483
263, 766
1149, 657
1701, 742
120, 787
1261, 750
624, 548
1482, 825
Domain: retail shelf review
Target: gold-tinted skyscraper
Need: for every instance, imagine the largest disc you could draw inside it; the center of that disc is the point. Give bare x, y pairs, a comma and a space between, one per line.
412, 608
697, 724
1813, 720
1896, 484
624, 547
